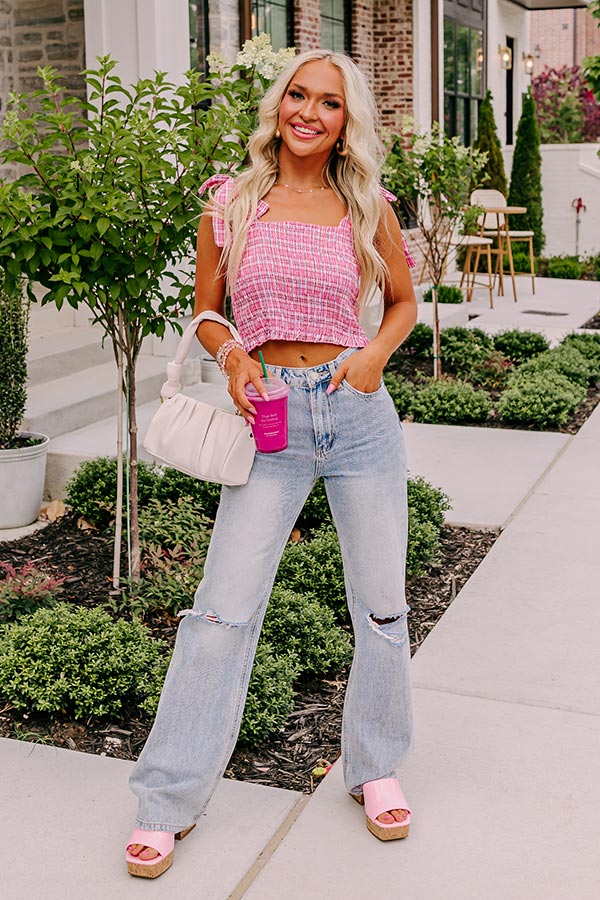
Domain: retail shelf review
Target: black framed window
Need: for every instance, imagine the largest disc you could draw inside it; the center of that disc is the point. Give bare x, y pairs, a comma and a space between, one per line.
276, 18
199, 34
336, 25
464, 86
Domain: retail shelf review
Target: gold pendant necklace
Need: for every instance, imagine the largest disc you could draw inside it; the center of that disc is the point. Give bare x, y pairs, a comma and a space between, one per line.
303, 190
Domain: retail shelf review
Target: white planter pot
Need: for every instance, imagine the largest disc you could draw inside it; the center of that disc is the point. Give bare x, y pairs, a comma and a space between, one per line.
22, 474
211, 373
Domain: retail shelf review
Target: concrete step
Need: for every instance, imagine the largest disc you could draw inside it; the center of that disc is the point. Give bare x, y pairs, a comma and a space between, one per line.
80, 398
65, 351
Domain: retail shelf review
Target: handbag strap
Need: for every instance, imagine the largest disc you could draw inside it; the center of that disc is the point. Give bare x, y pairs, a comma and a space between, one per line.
172, 385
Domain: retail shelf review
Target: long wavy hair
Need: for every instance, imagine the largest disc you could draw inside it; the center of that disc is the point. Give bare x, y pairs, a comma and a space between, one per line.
354, 178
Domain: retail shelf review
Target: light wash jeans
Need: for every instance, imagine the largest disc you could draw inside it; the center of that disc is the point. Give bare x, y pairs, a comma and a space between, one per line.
354, 441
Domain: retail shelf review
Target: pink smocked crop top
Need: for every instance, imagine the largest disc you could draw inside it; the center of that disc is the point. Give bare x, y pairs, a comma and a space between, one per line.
296, 281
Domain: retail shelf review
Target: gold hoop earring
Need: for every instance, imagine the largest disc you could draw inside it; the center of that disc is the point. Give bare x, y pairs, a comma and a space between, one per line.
341, 150
277, 134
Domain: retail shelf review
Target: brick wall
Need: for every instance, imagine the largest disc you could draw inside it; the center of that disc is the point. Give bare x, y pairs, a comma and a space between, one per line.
362, 37
564, 37
39, 33
307, 24
393, 59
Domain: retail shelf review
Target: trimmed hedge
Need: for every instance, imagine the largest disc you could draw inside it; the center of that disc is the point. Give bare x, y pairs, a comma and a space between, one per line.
450, 403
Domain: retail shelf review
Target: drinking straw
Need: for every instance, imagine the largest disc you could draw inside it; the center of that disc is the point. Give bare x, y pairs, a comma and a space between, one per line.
264, 368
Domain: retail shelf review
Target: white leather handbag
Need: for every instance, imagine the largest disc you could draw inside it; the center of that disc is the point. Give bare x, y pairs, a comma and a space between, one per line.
201, 440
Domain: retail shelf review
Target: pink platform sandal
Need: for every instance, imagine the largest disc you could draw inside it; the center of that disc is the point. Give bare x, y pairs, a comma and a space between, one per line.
163, 842
378, 797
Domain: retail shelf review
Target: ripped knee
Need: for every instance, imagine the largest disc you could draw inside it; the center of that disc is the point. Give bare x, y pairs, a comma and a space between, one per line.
392, 628
211, 616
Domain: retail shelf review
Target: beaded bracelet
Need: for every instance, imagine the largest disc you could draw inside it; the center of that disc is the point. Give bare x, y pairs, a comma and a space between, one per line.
224, 351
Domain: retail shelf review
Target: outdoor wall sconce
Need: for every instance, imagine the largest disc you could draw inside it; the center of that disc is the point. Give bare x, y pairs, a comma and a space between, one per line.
505, 54
528, 63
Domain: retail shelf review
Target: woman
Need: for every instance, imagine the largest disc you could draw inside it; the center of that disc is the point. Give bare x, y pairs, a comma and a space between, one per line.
299, 240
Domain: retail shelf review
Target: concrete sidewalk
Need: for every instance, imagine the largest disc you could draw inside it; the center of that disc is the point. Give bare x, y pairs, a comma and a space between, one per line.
503, 780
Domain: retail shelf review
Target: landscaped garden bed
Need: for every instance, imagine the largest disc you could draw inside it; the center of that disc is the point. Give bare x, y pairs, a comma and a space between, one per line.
68, 577
511, 380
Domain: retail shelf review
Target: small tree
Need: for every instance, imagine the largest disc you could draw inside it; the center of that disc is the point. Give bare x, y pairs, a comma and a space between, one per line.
435, 177
591, 64
489, 142
526, 174
109, 205
13, 362
567, 111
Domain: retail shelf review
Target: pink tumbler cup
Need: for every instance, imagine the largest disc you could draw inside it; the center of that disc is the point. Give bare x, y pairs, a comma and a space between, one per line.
270, 427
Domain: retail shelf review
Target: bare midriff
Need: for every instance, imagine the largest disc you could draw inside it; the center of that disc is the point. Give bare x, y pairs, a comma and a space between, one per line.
297, 354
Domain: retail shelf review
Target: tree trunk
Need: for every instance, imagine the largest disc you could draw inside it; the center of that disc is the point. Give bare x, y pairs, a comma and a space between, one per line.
437, 357
119, 504
133, 474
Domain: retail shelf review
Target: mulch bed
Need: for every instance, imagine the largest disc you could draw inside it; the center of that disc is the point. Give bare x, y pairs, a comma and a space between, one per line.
593, 323
312, 731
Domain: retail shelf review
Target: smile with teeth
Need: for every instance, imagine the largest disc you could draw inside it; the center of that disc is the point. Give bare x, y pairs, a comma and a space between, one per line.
305, 130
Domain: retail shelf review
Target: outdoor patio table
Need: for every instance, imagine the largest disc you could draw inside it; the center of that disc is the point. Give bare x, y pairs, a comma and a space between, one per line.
502, 233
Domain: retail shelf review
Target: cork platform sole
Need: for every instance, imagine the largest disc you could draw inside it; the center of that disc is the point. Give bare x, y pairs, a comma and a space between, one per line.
378, 797
163, 842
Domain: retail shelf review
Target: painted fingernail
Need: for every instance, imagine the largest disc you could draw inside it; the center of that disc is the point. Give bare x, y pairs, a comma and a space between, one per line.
251, 419
265, 396
330, 389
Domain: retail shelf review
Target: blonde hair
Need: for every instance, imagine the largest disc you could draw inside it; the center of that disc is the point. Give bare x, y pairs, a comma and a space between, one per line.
354, 178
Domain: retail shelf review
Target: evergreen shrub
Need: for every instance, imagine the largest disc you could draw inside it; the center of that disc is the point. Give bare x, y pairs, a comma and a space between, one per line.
14, 320
314, 567
270, 693
489, 142
450, 403
92, 490
589, 347
566, 360
315, 511
519, 346
447, 293
526, 175
419, 342
539, 399
78, 662
565, 267
299, 624
462, 348
171, 485
401, 392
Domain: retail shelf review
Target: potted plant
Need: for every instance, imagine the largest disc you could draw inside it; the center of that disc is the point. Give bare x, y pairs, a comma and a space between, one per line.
22, 454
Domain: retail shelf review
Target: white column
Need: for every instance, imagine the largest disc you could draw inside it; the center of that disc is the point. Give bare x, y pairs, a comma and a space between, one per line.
423, 64
142, 35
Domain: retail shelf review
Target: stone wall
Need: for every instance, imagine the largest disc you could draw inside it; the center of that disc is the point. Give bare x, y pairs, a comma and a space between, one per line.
40, 33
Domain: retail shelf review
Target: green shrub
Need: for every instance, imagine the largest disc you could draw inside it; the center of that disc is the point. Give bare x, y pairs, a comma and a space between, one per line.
92, 491
270, 693
26, 589
488, 142
521, 262
315, 567
176, 525
315, 511
400, 391
491, 372
14, 325
450, 402
539, 399
566, 360
77, 661
526, 174
462, 348
419, 342
519, 346
422, 550
565, 267
299, 624
427, 503
171, 485
589, 347
447, 293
